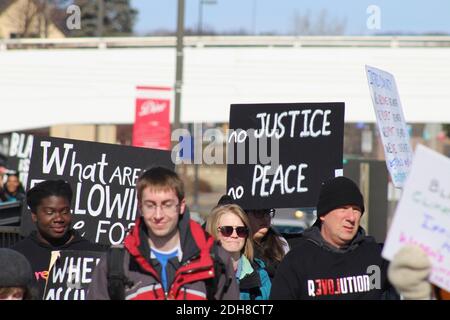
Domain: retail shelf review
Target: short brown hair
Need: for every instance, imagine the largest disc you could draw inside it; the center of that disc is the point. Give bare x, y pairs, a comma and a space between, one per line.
6, 291
213, 221
160, 179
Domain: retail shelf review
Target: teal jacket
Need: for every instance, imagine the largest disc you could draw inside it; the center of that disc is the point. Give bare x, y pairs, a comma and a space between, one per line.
253, 279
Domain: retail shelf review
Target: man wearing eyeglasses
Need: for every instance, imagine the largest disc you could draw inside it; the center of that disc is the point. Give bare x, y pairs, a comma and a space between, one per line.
168, 255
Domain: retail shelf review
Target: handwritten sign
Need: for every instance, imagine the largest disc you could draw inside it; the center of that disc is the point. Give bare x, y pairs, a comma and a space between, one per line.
70, 274
423, 214
279, 154
391, 124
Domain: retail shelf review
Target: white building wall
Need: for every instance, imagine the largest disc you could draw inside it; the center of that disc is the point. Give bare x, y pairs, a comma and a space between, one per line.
40, 88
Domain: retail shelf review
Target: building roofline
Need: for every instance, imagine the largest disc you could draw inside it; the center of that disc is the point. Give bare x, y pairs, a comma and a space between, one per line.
233, 41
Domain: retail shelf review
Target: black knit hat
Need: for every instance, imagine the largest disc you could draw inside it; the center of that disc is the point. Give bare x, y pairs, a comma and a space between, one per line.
15, 270
338, 192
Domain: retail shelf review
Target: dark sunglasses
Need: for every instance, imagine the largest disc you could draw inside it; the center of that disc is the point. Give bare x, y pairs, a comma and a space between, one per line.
227, 231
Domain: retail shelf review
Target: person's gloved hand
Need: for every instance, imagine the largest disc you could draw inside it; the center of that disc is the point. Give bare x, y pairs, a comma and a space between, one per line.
409, 271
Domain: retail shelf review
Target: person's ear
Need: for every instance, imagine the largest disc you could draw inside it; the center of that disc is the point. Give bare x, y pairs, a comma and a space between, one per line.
139, 207
34, 217
322, 218
182, 206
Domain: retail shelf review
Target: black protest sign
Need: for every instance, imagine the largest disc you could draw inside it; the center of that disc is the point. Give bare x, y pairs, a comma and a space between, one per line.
103, 178
70, 274
20, 146
4, 150
279, 154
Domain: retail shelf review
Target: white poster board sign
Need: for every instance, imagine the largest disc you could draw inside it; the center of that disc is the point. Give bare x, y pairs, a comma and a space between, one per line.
391, 124
422, 217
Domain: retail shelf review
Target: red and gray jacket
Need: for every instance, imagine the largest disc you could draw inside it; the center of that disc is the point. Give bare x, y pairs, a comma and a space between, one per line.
187, 279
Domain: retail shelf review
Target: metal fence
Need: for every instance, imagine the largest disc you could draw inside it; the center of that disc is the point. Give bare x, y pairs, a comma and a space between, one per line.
10, 213
9, 236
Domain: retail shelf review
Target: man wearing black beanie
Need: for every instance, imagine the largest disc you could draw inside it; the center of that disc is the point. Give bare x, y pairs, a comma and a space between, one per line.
340, 206
334, 259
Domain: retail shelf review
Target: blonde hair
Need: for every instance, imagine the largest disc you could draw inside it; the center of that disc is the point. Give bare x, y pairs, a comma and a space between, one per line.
212, 224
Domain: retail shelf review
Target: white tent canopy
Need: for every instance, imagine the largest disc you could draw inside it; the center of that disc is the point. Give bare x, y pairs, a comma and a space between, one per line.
40, 88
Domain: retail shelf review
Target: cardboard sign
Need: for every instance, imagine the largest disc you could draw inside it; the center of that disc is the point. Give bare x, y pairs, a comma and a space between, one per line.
20, 146
70, 274
279, 154
151, 127
103, 178
422, 217
391, 124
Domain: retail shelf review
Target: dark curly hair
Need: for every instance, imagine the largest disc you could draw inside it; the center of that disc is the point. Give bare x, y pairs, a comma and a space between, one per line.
48, 188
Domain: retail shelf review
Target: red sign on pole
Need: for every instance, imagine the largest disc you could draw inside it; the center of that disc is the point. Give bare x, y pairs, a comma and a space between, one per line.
152, 120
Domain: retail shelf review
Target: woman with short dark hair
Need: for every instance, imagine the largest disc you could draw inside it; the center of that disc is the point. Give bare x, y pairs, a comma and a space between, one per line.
13, 189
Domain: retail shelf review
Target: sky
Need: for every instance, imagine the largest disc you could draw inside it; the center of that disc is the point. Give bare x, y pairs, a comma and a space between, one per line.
263, 16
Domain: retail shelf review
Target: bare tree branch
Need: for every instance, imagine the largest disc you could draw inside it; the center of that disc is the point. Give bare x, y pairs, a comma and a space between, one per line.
306, 24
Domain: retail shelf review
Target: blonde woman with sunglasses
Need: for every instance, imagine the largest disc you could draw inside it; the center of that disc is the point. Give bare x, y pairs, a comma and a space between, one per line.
230, 226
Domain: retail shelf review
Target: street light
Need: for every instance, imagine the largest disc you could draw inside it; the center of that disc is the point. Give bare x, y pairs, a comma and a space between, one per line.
179, 62
200, 13
254, 17
100, 17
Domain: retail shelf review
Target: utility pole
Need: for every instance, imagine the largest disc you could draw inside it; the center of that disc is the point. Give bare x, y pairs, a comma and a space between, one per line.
200, 13
200, 17
100, 17
179, 64
254, 17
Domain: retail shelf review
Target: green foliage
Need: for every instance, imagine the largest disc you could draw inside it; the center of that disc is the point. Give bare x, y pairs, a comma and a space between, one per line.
118, 19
